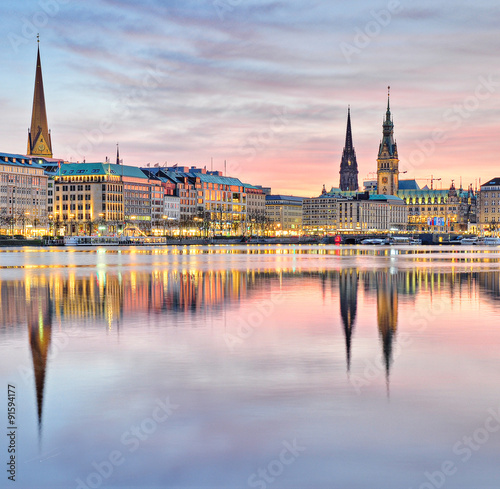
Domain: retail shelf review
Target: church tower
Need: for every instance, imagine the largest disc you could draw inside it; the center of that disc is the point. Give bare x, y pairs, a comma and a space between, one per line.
387, 161
39, 143
348, 165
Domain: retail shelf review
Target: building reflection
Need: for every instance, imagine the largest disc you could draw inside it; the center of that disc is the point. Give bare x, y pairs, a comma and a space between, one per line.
348, 288
37, 300
387, 316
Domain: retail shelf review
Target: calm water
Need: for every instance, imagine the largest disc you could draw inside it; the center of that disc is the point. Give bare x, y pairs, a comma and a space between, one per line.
276, 367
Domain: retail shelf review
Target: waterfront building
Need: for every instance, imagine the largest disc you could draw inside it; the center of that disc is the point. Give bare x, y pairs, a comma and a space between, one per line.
388, 160
441, 211
320, 214
217, 203
338, 211
39, 138
372, 213
349, 165
171, 207
256, 201
105, 198
489, 207
285, 214
23, 196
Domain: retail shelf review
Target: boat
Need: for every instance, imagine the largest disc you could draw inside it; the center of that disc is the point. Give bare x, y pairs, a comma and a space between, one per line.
489, 241
405, 240
373, 241
113, 240
96, 240
469, 241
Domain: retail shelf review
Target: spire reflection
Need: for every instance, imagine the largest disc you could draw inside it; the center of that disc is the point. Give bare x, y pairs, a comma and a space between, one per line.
39, 320
387, 316
348, 282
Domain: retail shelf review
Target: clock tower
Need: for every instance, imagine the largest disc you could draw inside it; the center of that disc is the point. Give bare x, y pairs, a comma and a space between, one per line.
39, 143
388, 161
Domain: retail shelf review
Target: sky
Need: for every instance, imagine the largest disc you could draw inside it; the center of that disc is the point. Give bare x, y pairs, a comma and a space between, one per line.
261, 84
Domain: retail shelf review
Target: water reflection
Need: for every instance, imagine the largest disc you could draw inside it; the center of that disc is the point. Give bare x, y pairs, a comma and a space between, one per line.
110, 297
348, 285
387, 316
39, 320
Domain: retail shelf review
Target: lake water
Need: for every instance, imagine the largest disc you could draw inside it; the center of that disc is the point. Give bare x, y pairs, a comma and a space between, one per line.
235, 367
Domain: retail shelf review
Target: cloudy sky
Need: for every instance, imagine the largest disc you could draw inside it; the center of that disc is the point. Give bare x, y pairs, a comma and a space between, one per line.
262, 84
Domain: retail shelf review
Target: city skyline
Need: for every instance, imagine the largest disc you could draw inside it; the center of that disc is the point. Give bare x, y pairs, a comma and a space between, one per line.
262, 85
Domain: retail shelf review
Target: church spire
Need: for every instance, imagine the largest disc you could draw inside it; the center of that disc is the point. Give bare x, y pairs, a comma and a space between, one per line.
39, 142
349, 165
348, 136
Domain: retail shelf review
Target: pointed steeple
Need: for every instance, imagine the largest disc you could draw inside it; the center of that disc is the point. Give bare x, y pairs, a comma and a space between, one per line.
348, 135
348, 283
388, 147
117, 154
39, 142
349, 165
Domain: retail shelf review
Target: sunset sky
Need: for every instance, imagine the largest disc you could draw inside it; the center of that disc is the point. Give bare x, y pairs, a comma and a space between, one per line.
262, 84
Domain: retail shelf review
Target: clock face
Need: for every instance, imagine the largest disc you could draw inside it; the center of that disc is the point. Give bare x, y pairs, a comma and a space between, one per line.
385, 180
41, 147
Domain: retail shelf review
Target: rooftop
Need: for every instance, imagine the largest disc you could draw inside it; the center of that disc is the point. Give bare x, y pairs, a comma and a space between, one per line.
100, 169
494, 181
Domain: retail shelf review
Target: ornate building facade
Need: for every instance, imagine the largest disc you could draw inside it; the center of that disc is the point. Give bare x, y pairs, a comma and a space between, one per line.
388, 161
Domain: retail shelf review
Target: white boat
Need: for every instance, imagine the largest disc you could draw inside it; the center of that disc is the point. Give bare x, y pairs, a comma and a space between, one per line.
97, 240
469, 241
489, 241
373, 241
405, 240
